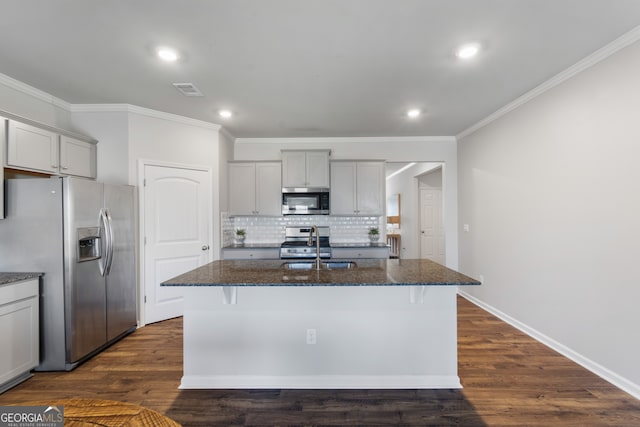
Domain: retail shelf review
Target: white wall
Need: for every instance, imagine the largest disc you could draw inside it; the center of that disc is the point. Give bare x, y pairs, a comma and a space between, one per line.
225, 155
392, 149
111, 129
406, 184
551, 192
159, 139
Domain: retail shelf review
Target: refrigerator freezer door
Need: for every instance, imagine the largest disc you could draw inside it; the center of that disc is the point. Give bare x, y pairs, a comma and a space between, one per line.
53, 227
121, 278
84, 286
31, 239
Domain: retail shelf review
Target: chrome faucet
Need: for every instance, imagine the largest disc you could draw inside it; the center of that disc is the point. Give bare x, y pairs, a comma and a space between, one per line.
314, 228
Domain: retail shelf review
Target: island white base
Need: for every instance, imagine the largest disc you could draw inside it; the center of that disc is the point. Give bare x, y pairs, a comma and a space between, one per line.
366, 337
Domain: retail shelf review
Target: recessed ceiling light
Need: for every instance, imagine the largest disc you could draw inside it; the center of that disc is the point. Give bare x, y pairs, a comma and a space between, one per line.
225, 114
413, 113
468, 50
167, 54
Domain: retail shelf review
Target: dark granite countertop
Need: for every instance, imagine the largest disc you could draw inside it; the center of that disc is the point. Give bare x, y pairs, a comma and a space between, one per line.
6, 278
385, 272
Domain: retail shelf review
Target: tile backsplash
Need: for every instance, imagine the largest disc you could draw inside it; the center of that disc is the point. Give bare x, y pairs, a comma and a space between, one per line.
270, 229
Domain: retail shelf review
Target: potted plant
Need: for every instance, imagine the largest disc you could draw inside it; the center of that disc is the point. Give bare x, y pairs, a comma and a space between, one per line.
241, 234
374, 234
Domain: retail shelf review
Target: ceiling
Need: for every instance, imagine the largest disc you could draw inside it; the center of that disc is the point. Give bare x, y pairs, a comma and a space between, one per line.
306, 68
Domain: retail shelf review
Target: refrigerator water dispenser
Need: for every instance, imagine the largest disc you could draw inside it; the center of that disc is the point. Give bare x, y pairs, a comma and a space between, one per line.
89, 244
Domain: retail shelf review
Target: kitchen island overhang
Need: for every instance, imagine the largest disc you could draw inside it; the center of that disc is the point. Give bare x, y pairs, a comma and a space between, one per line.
380, 324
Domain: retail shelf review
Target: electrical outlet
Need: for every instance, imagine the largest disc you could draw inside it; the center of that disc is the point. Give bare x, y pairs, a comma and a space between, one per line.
311, 336
465, 227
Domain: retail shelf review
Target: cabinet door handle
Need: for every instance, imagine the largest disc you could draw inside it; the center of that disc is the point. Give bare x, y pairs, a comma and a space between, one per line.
205, 247
64, 167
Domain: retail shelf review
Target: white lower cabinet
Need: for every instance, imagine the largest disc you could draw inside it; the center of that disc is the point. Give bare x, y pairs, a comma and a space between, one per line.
250, 253
19, 331
360, 253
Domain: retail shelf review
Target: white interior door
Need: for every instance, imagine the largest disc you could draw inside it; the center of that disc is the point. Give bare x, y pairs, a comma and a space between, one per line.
431, 229
177, 229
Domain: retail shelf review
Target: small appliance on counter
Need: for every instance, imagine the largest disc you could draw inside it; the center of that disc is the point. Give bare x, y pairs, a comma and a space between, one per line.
296, 243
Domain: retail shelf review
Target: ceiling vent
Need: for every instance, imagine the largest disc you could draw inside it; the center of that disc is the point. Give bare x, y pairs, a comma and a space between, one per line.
188, 89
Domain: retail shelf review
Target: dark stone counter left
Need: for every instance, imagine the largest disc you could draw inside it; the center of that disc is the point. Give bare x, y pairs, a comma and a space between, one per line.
6, 278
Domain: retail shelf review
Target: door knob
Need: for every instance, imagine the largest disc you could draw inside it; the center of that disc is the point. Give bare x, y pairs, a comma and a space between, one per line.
205, 247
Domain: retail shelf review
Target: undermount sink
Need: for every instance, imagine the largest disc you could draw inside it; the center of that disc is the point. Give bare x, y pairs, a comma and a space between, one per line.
310, 265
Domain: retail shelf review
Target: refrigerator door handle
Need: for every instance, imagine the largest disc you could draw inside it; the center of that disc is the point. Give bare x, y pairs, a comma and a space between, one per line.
109, 233
102, 262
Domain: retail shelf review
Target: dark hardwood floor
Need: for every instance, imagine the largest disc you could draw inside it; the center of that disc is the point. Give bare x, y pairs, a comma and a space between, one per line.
509, 380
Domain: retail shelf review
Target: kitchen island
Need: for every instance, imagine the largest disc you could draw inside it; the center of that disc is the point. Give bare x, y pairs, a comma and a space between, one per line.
278, 324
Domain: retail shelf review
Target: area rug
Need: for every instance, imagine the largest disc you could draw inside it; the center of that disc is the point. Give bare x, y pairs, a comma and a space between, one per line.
108, 413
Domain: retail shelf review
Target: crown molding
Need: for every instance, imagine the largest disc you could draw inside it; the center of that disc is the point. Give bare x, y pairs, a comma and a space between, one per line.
100, 108
340, 140
588, 62
228, 134
93, 108
34, 92
134, 109
61, 103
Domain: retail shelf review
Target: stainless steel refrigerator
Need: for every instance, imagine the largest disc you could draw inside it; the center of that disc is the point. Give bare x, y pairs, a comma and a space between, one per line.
81, 235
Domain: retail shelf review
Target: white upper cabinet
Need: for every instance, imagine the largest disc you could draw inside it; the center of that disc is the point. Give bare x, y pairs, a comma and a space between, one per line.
294, 169
359, 188
269, 188
305, 168
343, 192
30, 147
317, 163
370, 188
255, 188
77, 157
42, 150
242, 188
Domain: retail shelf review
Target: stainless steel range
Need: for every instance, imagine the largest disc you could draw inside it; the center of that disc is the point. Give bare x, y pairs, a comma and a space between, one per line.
296, 243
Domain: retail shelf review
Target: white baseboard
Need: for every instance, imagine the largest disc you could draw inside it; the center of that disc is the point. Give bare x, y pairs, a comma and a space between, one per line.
604, 373
321, 382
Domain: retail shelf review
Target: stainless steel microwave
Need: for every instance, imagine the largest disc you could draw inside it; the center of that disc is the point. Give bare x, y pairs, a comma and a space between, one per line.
305, 201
